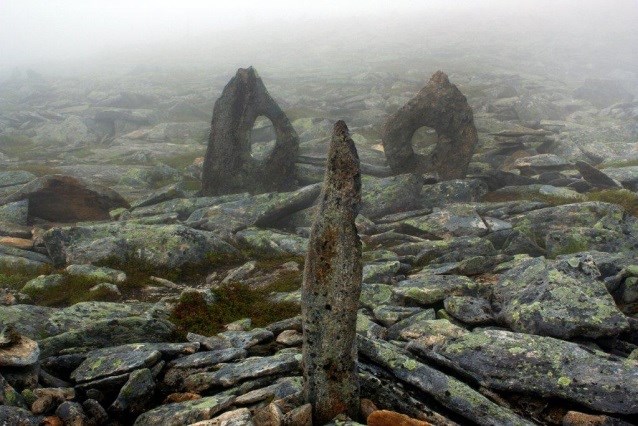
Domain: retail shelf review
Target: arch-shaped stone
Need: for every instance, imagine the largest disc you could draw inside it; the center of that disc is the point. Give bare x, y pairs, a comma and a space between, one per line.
441, 106
228, 164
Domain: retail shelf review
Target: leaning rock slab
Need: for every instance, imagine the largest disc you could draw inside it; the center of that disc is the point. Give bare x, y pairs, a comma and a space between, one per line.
544, 366
442, 106
228, 165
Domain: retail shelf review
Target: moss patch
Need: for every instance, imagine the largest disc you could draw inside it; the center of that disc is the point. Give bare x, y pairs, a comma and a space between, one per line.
233, 301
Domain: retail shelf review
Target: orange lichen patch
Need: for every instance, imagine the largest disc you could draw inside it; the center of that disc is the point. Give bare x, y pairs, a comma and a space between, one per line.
391, 418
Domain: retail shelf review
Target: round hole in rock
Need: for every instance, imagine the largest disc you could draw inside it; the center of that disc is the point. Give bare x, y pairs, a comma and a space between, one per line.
424, 140
262, 139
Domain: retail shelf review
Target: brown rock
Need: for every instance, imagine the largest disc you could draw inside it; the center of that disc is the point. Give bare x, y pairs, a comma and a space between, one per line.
52, 421
66, 199
441, 106
391, 418
228, 164
269, 415
181, 397
575, 418
21, 243
367, 408
331, 287
300, 416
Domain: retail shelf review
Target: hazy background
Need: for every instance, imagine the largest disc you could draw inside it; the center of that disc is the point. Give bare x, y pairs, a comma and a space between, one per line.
79, 36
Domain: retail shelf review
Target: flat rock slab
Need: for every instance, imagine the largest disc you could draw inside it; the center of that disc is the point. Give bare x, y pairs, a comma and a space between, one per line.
96, 366
534, 297
544, 366
251, 368
208, 358
448, 391
184, 413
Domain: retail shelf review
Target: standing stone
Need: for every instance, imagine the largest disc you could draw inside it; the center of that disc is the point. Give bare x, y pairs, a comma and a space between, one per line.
442, 106
331, 287
228, 165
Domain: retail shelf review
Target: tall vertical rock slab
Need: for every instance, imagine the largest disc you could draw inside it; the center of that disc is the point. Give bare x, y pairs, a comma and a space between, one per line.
331, 287
441, 106
228, 164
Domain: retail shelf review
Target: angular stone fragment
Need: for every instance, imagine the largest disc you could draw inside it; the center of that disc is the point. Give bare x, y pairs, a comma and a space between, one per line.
443, 107
228, 165
596, 177
111, 364
331, 287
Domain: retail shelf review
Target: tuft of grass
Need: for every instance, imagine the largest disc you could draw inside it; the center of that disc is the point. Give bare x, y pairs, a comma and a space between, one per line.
233, 301
182, 161
38, 169
16, 278
624, 198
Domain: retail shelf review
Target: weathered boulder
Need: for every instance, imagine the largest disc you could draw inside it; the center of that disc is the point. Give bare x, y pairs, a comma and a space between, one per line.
228, 165
331, 287
595, 177
537, 298
168, 246
61, 198
16, 213
544, 366
390, 195
442, 106
183, 413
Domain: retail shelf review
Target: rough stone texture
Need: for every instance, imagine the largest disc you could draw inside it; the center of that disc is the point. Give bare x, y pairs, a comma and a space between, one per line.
521, 363
136, 394
110, 364
184, 413
391, 418
594, 176
331, 287
443, 107
169, 246
537, 298
60, 198
448, 391
19, 353
228, 165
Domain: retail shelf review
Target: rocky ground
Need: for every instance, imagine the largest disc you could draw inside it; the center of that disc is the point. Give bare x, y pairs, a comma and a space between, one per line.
508, 297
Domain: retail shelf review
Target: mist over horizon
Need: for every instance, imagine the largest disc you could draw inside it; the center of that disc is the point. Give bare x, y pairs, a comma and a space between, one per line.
583, 38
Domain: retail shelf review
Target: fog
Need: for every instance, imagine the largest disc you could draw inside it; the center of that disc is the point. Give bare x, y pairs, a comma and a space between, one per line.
75, 36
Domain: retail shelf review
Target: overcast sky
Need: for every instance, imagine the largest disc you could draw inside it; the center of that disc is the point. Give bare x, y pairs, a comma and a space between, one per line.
33, 32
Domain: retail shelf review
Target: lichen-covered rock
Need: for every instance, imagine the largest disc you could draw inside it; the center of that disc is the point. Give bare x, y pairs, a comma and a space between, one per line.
453, 191
60, 198
443, 107
110, 332
43, 283
183, 413
468, 309
16, 212
29, 320
544, 366
389, 195
429, 289
97, 273
331, 287
535, 297
228, 165
268, 242
250, 368
459, 220
448, 391
136, 394
18, 416
184, 207
169, 246
540, 163
257, 210
98, 365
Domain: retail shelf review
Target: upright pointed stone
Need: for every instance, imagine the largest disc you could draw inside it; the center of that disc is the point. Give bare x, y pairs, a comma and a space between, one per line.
228, 165
331, 287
